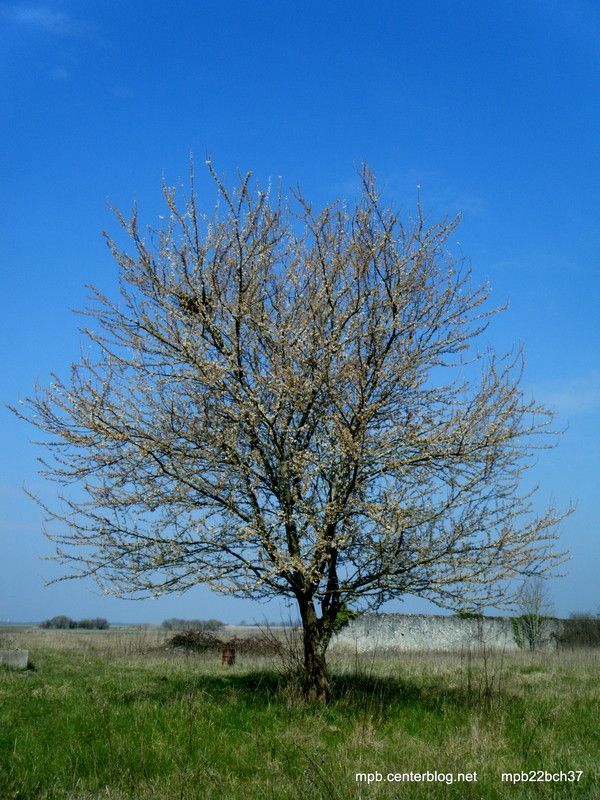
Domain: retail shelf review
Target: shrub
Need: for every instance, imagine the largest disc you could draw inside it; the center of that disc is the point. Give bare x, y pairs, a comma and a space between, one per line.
202, 641
580, 630
466, 614
196, 640
344, 616
176, 624
95, 623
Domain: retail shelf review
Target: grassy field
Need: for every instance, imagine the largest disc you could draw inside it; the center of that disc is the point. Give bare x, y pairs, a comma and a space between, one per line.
113, 715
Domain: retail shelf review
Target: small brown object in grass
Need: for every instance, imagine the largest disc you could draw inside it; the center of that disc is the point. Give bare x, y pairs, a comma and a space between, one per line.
228, 655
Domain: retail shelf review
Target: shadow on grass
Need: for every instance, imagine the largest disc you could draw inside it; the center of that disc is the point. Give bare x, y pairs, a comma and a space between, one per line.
264, 687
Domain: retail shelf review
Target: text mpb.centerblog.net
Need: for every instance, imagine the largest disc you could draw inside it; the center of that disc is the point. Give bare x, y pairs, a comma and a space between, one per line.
416, 777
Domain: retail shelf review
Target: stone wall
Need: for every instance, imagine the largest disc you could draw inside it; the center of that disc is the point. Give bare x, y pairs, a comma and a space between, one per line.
16, 659
434, 632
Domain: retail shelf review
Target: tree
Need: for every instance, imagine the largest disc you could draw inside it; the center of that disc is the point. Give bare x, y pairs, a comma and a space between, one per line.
536, 610
60, 622
286, 402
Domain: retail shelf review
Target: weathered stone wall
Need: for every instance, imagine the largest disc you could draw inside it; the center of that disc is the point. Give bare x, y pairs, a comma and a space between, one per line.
434, 632
16, 659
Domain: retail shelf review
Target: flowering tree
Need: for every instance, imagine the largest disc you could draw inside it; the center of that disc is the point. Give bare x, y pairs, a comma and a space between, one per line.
286, 403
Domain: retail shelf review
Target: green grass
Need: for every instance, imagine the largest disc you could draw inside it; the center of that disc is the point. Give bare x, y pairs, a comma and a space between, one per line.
115, 717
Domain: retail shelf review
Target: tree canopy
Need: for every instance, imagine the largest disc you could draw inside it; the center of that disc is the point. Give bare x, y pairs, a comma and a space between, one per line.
285, 401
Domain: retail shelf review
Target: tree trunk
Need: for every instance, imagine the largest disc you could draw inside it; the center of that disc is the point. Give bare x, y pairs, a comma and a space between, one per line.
315, 683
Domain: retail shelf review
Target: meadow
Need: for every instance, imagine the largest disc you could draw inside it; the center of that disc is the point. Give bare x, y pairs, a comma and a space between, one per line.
116, 715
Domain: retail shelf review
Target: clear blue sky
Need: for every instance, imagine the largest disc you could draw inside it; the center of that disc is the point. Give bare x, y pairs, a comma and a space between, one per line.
493, 109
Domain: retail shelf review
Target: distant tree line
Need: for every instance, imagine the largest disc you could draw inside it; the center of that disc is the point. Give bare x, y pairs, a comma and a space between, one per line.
176, 624
61, 622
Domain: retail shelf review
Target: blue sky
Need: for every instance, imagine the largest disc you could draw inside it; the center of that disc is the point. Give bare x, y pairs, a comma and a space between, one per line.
492, 109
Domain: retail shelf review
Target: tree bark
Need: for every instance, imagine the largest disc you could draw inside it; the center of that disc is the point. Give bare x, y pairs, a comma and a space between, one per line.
315, 681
